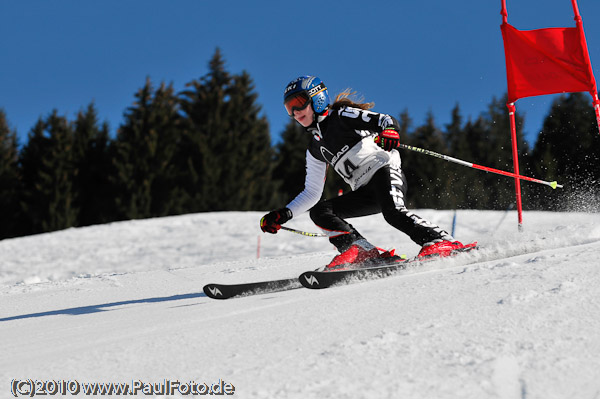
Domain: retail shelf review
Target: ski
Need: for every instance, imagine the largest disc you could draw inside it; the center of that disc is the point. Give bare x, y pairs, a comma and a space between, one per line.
226, 291
325, 279
316, 279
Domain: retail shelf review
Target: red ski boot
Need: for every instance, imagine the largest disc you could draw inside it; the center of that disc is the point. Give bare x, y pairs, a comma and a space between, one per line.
444, 248
353, 256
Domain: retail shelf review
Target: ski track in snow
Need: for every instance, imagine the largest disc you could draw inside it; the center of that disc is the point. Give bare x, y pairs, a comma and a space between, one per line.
123, 301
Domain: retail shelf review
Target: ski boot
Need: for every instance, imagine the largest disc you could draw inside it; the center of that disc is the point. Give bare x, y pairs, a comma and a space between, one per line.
360, 254
443, 248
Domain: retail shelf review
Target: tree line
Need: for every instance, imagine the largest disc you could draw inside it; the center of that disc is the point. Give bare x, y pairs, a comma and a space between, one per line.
208, 148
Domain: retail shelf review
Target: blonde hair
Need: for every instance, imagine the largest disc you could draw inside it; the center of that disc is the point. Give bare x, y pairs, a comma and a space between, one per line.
348, 98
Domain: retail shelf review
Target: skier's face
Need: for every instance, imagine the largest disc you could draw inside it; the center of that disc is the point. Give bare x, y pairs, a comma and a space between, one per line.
304, 116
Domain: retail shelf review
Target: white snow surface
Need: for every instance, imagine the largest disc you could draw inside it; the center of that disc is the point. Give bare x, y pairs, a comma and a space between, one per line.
123, 302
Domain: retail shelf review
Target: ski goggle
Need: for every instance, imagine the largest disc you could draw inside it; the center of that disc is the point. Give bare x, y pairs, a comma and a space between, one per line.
297, 103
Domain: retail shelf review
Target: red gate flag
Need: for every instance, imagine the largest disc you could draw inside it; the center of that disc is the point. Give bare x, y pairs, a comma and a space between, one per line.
546, 61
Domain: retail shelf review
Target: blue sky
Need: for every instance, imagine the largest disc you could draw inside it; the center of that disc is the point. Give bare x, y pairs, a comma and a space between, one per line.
416, 55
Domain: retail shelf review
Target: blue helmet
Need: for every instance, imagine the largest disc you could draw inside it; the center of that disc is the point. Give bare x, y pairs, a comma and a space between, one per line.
313, 87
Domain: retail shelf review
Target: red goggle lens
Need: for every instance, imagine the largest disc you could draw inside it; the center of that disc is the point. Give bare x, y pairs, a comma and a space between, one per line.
296, 103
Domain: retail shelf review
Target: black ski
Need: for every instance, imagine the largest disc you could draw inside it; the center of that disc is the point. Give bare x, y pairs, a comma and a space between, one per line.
325, 279
314, 279
322, 279
225, 291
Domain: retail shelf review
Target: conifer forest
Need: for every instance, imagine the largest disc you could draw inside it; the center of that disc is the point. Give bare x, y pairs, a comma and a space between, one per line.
209, 148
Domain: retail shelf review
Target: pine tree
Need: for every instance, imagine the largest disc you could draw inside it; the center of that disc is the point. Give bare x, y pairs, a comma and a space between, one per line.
454, 182
30, 159
248, 155
48, 174
496, 149
485, 141
93, 167
568, 150
471, 181
9, 180
205, 119
226, 149
144, 155
425, 174
405, 122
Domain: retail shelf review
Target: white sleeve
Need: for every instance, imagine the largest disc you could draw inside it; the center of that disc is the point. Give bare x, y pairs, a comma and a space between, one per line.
316, 172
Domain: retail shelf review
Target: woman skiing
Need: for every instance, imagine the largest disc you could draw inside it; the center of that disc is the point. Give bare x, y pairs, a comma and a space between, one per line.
361, 146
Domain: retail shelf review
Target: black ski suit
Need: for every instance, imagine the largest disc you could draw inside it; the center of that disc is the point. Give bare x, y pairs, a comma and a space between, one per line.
344, 139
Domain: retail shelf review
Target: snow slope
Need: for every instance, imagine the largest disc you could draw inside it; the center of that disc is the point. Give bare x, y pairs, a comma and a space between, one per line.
123, 303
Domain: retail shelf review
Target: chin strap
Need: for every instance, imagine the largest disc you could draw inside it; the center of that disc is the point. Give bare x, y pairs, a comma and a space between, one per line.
321, 117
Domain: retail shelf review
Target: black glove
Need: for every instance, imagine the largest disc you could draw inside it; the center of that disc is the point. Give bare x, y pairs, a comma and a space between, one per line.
272, 221
389, 139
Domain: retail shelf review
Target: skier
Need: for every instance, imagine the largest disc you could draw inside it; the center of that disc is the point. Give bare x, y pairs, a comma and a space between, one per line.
361, 146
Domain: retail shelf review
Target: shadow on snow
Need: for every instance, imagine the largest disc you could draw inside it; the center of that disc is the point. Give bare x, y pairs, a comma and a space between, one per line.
100, 308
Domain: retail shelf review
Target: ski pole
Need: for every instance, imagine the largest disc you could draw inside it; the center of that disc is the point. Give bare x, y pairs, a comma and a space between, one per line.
304, 233
552, 184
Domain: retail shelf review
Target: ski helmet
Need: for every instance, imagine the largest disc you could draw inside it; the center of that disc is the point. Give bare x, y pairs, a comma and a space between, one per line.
303, 90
